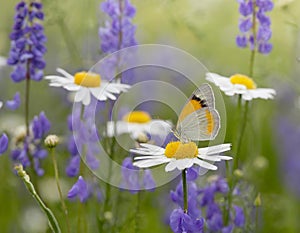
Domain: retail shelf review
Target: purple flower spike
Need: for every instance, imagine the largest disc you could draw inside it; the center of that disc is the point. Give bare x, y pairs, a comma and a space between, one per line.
182, 222
119, 32
255, 11
27, 42
15, 103
3, 143
80, 190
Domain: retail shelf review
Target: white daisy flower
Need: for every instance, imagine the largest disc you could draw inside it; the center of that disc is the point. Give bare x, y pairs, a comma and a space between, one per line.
240, 84
85, 84
179, 155
138, 124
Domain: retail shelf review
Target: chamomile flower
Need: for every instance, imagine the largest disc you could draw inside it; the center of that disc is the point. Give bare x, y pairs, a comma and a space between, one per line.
85, 84
240, 84
179, 155
138, 124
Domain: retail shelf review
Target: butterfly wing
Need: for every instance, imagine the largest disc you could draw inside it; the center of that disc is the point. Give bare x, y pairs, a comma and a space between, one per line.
201, 125
199, 120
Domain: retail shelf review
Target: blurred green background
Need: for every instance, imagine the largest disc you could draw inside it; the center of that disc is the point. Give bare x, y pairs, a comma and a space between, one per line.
206, 29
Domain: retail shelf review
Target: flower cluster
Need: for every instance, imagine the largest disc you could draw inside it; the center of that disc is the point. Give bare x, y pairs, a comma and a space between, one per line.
214, 215
28, 150
255, 25
119, 32
27, 42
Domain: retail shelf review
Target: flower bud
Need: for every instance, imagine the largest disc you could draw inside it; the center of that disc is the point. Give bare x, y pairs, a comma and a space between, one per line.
51, 141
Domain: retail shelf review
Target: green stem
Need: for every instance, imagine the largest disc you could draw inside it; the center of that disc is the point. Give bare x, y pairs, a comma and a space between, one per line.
240, 138
256, 219
53, 224
137, 212
63, 204
185, 193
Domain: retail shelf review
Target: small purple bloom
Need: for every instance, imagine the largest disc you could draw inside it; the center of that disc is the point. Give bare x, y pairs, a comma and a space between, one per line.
149, 182
242, 41
265, 48
73, 167
246, 8
3, 143
15, 103
130, 176
80, 190
228, 229
239, 219
245, 25
181, 222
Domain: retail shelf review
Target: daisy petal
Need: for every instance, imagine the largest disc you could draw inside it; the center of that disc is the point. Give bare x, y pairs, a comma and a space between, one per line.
149, 162
148, 157
171, 165
204, 164
215, 149
184, 163
65, 73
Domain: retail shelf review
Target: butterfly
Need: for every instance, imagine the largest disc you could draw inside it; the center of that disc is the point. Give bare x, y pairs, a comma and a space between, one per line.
198, 120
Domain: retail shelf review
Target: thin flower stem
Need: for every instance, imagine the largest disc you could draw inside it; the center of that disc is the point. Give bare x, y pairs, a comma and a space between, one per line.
63, 204
137, 212
185, 194
27, 91
256, 219
53, 224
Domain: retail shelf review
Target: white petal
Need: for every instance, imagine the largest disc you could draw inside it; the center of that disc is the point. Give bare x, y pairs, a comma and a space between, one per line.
171, 165
72, 87
144, 152
80, 95
1, 104
149, 162
222, 157
263, 93
87, 98
214, 149
204, 164
220, 81
65, 73
209, 158
184, 163
153, 147
149, 157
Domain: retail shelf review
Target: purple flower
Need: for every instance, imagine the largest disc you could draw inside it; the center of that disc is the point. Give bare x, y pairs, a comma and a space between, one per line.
30, 152
239, 219
80, 190
3, 143
227, 229
73, 166
149, 182
181, 222
27, 42
119, 32
130, 176
15, 103
40, 126
258, 8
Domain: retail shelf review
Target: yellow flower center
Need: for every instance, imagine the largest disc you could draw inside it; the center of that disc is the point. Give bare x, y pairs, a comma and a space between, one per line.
87, 79
179, 150
137, 117
243, 80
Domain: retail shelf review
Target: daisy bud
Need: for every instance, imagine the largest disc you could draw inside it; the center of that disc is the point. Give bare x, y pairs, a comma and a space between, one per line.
257, 201
51, 141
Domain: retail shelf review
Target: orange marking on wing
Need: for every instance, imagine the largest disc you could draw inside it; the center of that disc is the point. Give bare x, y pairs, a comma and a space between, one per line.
190, 107
210, 122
